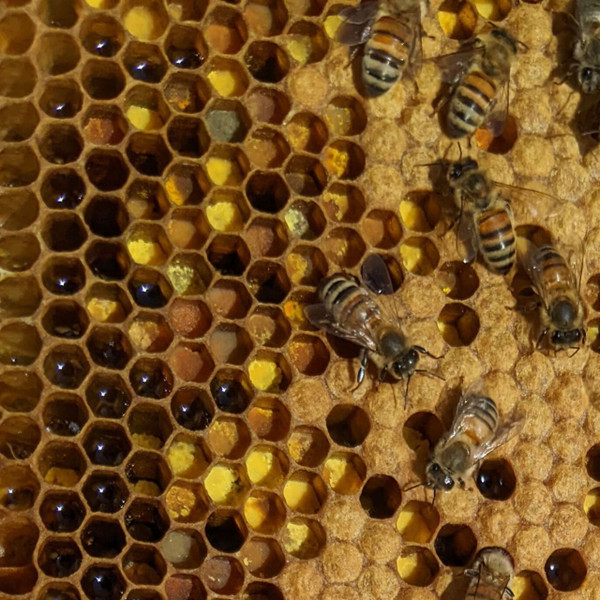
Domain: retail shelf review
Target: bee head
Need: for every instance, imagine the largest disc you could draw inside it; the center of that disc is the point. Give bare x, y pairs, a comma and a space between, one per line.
437, 478
589, 79
459, 168
406, 364
571, 337
563, 314
505, 38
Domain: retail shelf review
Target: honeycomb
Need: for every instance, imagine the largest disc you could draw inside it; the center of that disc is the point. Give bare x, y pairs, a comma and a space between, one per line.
176, 179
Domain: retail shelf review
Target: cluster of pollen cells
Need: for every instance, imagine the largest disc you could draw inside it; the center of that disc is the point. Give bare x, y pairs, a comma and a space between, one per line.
171, 426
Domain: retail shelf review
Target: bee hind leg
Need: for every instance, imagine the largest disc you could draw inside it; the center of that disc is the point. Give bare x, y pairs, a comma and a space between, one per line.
364, 360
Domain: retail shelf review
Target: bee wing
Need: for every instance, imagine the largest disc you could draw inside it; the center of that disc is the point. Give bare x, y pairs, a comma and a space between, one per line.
503, 435
376, 276
527, 256
357, 22
466, 236
496, 120
320, 317
453, 65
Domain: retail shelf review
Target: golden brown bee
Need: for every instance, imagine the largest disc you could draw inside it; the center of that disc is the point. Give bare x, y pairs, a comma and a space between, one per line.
562, 311
390, 30
586, 52
348, 311
485, 217
475, 432
479, 75
490, 575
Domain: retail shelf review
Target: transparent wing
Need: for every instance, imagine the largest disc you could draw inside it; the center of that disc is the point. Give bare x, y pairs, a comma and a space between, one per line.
453, 65
496, 120
505, 433
320, 317
357, 22
528, 255
466, 236
376, 276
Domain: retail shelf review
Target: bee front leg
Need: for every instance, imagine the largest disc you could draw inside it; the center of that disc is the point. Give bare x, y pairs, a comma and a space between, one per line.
364, 360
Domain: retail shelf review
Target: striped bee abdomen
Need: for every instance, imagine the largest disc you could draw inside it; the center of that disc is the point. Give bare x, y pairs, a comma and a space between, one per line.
386, 53
482, 414
471, 102
346, 300
497, 241
555, 274
483, 591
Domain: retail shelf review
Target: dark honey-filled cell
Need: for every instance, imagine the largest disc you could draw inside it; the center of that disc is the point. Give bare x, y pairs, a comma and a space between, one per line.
266, 62
60, 558
19, 297
455, 545
57, 53
61, 99
148, 154
107, 395
268, 282
260, 590
143, 565
144, 62
106, 216
106, 444
102, 36
62, 512
149, 289
102, 582
102, 538
231, 390
109, 347
496, 479
58, 14
20, 391
223, 575
225, 530
18, 537
380, 496
146, 521
19, 437
106, 170
19, 488
147, 473
65, 319
185, 549
185, 48
17, 31
267, 192
105, 492
64, 414
66, 366
151, 378
348, 425
228, 254
306, 175
59, 591
592, 462
63, 232
102, 80
188, 137
565, 569
18, 122
20, 344
63, 275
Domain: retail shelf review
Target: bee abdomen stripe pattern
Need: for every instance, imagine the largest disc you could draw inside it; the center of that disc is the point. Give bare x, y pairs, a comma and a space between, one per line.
483, 592
497, 239
344, 298
484, 409
554, 270
471, 102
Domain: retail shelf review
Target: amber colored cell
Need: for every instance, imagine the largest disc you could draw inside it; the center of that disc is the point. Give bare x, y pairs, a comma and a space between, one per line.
189, 318
344, 160
18, 209
19, 297
417, 566
382, 229
309, 355
57, 53
228, 298
344, 247
266, 62
228, 254
308, 446
306, 132
229, 437
225, 30
458, 324
305, 175
307, 42
109, 347
184, 587
458, 281
303, 538
263, 557
187, 228
501, 144
20, 166
65, 319
264, 512
265, 17
61, 464
186, 184
102, 80
269, 419
344, 203
565, 569
20, 344
457, 19
186, 93
266, 148
64, 414
20, 391
591, 506
268, 327
266, 466
18, 122
107, 303
17, 77
146, 200
148, 154
191, 362
266, 191
186, 502
143, 565
223, 575
19, 437
102, 35
150, 333
147, 473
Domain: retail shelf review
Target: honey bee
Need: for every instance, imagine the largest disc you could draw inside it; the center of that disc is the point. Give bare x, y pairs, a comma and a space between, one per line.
562, 311
586, 52
486, 221
479, 76
490, 575
390, 30
348, 311
475, 432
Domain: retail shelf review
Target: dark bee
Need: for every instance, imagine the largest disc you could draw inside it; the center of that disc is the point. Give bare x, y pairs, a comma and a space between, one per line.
586, 52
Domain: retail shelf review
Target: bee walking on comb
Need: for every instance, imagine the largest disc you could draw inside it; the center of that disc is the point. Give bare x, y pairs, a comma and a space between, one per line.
475, 432
390, 31
348, 310
586, 52
561, 308
490, 575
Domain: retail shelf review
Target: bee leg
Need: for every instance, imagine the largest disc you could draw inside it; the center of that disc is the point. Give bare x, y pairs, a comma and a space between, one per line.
352, 55
426, 352
364, 359
509, 592
538, 345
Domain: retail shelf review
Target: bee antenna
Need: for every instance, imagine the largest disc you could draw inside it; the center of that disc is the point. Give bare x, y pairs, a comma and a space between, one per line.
434, 495
413, 486
406, 392
437, 163
430, 373
576, 350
